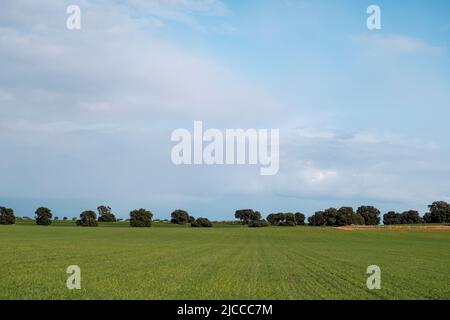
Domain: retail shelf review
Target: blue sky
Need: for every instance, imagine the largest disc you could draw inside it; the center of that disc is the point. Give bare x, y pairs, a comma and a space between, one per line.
86, 116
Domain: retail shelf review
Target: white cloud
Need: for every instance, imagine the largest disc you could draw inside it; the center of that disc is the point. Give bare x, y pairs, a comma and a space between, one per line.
105, 70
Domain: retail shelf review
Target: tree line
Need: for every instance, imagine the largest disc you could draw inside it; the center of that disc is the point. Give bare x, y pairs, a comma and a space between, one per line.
439, 212
138, 218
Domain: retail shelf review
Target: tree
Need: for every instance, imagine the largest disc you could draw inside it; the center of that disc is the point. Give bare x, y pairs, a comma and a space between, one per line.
391, 218
358, 219
300, 219
201, 223
331, 216
289, 219
64, 218
247, 215
180, 217
43, 216
275, 218
141, 218
87, 219
439, 212
7, 216
283, 219
345, 216
105, 214
258, 224
370, 215
410, 217
317, 219
56, 218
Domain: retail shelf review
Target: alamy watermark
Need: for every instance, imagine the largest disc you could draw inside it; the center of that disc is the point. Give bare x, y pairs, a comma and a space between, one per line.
73, 22
374, 280
74, 280
232, 147
374, 20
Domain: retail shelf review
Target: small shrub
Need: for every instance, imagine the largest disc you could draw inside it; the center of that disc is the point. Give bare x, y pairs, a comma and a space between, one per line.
258, 224
201, 223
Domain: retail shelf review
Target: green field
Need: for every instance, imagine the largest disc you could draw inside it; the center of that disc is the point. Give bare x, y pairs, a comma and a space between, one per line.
234, 262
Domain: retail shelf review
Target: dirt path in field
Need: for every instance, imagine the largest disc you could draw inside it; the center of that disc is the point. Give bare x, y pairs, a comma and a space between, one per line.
431, 228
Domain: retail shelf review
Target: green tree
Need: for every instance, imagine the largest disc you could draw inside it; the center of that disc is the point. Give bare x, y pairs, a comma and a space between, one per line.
317, 219
105, 214
331, 216
391, 218
370, 214
358, 219
247, 215
439, 212
141, 218
299, 219
344, 216
7, 216
43, 216
179, 217
410, 217
87, 219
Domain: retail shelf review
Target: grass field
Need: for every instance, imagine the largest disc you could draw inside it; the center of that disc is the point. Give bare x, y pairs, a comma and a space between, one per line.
234, 262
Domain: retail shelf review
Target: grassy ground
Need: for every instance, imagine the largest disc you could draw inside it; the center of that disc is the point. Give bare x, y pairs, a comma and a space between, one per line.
170, 262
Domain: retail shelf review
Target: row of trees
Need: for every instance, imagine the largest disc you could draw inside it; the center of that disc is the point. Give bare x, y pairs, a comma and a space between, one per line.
286, 219
364, 215
182, 217
439, 212
345, 216
407, 217
253, 218
138, 218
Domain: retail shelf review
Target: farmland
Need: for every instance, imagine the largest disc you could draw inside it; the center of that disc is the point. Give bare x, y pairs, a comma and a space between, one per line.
224, 262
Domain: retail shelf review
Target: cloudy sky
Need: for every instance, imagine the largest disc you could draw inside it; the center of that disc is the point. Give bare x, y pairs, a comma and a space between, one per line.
86, 115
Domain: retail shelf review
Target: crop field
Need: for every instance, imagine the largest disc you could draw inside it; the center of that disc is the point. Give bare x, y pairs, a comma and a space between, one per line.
224, 262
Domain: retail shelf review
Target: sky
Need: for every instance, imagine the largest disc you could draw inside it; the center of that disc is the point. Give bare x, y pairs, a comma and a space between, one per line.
86, 115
